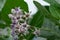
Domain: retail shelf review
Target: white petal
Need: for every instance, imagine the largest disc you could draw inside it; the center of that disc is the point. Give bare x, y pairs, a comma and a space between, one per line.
19, 9
13, 11
10, 15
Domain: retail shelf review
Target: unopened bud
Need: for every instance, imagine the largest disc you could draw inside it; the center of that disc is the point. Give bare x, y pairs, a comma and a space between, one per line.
10, 16
13, 11
21, 20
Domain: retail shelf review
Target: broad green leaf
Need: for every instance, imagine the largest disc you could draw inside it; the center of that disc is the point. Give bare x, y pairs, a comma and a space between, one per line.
51, 38
49, 30
46, 12
53, 19
47, 7
37, 19
55, 11
53, 2
8, 6
42, 9
30, 37
54, 8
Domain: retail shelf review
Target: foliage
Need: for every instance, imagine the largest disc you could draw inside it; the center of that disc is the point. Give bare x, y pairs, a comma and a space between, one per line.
47, 19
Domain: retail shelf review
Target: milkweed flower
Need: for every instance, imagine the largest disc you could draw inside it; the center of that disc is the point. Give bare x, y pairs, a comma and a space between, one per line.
19, 23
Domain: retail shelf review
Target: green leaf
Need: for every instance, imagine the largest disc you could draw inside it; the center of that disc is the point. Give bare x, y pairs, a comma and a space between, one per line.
54, 8
8, 6
42, 9
30, 37
51, 38
47, 7
52, 2
46, 12
53, 19
55, 11
39, 16
49, 30
37, 19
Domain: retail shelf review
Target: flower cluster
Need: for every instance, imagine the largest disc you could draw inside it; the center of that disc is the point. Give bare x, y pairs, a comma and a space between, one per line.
19, 22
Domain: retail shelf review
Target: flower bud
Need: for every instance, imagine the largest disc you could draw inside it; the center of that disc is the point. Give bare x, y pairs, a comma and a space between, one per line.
10, 16
21, 20
13, 11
